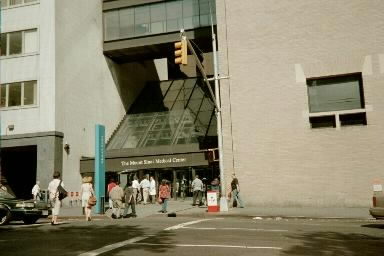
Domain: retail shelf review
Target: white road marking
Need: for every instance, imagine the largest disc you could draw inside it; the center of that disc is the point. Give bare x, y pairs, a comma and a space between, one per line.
214, 245
182, 225
247, 229
113, 246
134, 240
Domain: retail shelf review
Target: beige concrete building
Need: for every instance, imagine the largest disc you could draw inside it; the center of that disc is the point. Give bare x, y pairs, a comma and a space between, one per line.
303, 107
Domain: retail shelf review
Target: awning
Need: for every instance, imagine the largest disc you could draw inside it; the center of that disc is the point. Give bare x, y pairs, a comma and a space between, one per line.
147, 162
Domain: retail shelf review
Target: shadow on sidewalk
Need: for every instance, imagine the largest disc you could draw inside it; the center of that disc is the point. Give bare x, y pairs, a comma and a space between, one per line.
74, 240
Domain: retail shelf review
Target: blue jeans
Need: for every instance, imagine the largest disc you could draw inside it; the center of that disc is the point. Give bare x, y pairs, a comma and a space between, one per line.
164, 204
236, 196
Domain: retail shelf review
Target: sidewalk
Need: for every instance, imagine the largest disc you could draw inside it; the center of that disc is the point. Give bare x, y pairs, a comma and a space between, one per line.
185, 209
142, 211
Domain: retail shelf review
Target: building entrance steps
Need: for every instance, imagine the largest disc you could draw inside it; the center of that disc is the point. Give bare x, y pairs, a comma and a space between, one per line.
185, 209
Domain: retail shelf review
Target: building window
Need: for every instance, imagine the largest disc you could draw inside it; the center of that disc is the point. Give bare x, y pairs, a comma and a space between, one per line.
156, 18
18, 94
336, 101
3, 44
19, 42
15, 43
10, 3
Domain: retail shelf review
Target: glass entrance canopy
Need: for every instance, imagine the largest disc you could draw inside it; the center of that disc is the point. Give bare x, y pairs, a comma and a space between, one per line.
168, 113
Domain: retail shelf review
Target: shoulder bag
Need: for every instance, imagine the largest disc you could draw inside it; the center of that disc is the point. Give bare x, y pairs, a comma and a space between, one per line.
92, 200
62, 192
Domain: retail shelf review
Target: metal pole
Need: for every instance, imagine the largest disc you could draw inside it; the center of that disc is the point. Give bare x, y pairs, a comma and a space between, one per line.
223, 198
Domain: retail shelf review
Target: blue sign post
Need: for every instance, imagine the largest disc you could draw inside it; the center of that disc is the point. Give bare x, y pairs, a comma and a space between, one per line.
100, 168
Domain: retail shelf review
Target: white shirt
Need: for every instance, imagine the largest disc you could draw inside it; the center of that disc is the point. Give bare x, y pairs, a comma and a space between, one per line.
197, 184
135, 184
35, 190
152, 187
86, 191
144, 183
52, 188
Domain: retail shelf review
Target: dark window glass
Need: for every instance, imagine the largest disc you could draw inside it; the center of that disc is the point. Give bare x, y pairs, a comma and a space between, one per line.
15, 43
353, 119
29, 93
336, 93
174, 16
206, 8
4, 3
191, 14
323, 121
3, 95
15, 2
142, 20
127, 23
158, 18
111, 21
14, 95
3, 44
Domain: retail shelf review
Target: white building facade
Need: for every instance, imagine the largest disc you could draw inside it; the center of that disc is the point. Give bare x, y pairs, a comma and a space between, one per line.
56, 85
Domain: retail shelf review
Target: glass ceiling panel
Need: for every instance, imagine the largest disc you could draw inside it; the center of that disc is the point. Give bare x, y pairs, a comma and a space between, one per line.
183, 116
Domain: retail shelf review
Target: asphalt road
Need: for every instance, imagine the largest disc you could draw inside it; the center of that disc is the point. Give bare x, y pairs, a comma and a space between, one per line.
191, 236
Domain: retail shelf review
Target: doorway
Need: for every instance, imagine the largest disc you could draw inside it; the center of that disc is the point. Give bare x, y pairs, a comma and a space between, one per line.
18, 170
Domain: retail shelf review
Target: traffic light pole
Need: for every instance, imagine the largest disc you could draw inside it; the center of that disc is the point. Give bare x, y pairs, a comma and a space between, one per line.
202, 71
223, 198
216, 99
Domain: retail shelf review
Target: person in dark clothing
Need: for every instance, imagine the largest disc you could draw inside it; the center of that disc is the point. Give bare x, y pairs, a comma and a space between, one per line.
129, 201
235, 192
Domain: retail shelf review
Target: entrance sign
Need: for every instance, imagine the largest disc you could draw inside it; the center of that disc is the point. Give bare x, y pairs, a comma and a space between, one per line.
147, 162
99, 167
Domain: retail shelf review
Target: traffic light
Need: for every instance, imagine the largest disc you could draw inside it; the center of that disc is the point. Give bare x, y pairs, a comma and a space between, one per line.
181, 52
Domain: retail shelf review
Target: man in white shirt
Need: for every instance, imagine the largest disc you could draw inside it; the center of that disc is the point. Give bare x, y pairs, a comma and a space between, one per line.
145, 184
197, 188
36, 191
136, 189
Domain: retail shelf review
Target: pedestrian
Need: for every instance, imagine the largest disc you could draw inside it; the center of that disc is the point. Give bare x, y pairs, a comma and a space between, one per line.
197, 188
36, 191
54, 196
152, 189
110, 186
117, 195
235, 192
183, 188
144, 184
215, 184
129, 200
136, 188
86, 191
164, 195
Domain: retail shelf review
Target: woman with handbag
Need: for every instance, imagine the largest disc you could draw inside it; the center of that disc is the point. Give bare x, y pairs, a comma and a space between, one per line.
54, 196
164, 195
87, 197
